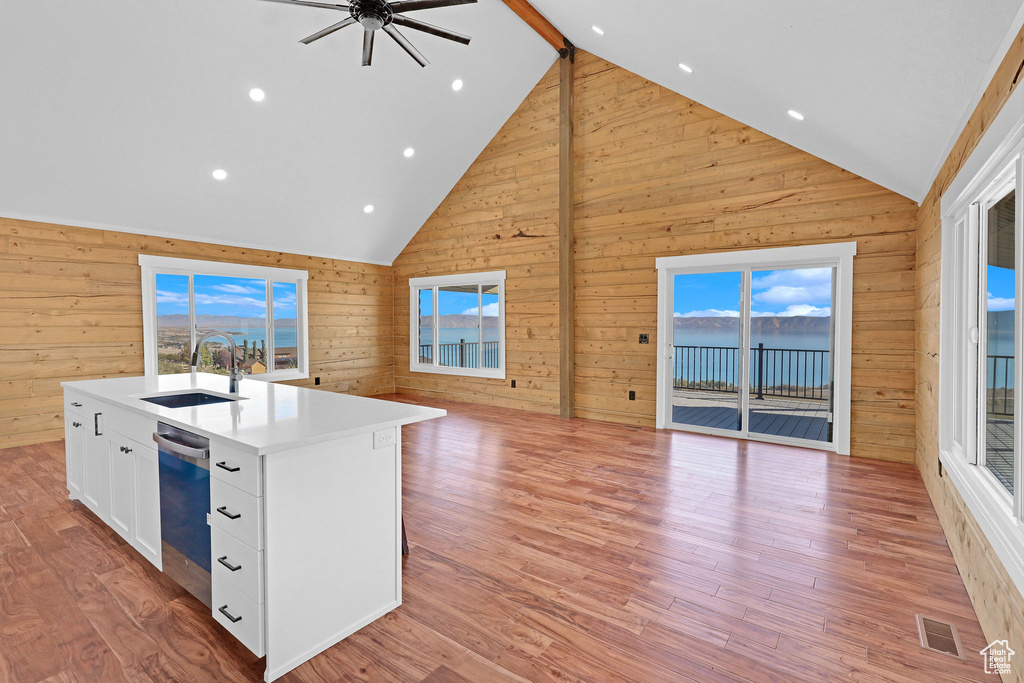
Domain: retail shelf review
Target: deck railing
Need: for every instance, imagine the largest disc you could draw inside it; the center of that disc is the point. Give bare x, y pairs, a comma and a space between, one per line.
462, 354
777, 373
999, 371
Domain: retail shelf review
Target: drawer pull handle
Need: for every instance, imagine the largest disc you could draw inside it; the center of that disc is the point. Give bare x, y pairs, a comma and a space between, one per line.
224, 466
224, 610
76, 424
232, 567
76, 404
230, 515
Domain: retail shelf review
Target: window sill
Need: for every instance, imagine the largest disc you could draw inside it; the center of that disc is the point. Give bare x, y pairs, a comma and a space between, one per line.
462, 372
278, 376
991, 512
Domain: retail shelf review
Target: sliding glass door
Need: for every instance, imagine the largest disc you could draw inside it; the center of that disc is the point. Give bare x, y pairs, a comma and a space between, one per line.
791, 353
708, 367
751, 346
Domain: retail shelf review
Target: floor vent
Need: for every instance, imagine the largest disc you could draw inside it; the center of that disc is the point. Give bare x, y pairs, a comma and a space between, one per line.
938, 636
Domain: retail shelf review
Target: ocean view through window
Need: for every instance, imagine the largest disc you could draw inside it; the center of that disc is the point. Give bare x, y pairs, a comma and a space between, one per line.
457, 324
262, 309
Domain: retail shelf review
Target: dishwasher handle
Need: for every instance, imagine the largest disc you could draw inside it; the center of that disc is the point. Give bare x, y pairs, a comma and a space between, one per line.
175, 448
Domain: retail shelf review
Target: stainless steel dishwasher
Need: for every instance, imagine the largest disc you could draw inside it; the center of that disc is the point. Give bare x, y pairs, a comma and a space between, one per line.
185, 508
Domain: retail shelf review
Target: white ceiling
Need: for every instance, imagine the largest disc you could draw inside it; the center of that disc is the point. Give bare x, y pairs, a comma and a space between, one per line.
114, 113
885, 86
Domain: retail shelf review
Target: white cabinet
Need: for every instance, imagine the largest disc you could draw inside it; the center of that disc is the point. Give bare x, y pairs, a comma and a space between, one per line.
122, 487
147, 504
96, 479
135, 495
74, 452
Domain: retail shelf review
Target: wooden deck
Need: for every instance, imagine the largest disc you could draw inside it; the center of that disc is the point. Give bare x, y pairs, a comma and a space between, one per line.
778, 417
543, 549
999, 446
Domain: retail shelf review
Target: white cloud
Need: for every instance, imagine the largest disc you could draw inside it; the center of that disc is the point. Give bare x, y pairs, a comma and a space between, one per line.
490, 310
999, 303
171, 297
236, 289
805, 285
709, 313
229, 300
795, 310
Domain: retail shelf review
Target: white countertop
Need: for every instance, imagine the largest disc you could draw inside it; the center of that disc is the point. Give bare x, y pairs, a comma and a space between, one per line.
269, 417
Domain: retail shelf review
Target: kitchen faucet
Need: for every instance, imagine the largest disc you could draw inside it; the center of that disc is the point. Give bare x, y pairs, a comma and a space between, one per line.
234, 375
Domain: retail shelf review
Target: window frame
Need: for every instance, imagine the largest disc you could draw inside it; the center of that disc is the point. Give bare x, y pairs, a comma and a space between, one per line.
995, 168
418, 284
164, 265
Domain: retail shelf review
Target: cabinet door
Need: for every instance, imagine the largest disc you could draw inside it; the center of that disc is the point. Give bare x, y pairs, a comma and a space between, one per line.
96, 484
122, 488
147, 504
74, 453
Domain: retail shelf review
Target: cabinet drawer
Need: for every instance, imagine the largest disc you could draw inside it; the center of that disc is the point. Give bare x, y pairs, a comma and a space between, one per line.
237, 564
241, 470
239, 615
74, 402
237, 513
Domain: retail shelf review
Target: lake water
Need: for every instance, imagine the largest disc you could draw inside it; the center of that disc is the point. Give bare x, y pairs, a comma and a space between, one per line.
284, 337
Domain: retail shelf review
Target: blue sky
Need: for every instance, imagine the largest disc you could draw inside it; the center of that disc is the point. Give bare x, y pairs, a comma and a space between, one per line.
217, 295
806, 291
458, 303
1000, 289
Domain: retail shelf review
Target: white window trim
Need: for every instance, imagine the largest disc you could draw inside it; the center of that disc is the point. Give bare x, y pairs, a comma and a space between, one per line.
997, 516
835, 255
153, 265
494, 277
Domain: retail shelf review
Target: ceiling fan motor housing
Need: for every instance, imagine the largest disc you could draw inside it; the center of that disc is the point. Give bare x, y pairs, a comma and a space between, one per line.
371, 14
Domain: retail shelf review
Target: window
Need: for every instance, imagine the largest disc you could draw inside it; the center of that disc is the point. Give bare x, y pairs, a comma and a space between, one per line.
263, 309
457, 324
980, 333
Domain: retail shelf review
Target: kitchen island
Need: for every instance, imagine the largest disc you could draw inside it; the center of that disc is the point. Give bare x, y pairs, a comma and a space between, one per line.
295, 541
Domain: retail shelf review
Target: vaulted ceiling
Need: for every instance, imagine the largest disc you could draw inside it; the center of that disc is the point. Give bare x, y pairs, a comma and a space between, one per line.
115, 114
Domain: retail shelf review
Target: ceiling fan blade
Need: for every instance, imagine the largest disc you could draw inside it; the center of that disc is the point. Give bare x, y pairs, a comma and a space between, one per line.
367, 47
413, 5
328, 31
431, 29
305, 3
406, 45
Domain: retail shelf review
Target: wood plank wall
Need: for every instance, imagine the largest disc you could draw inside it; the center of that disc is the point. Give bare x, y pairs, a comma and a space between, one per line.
656, 175
997, 601
502, 215
71, 308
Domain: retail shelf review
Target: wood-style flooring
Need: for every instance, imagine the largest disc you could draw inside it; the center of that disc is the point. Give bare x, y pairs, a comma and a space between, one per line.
543, 549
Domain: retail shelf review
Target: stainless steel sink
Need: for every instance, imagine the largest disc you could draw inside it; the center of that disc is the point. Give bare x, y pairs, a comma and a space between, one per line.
190, 400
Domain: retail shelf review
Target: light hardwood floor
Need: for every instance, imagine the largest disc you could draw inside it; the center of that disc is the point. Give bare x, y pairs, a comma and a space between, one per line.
542, 548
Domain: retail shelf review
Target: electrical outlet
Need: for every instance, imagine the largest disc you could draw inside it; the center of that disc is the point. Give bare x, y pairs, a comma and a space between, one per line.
632, 395
386, 437
513, 384
645, 339
316, 381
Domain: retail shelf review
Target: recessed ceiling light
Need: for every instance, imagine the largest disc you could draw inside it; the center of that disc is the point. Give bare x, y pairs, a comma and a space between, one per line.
457, 84
597, 30
368, 208
796, 115
409, 151
257, 95
220, 174
685, 68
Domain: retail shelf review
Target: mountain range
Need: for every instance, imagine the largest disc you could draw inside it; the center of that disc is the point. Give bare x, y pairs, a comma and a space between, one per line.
221, 322
797, 323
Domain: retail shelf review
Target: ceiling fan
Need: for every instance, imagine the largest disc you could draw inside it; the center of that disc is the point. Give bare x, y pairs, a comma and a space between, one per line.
380, 14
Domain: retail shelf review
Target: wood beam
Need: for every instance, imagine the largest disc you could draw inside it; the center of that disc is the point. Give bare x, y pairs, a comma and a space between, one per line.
538, 23
566, 246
